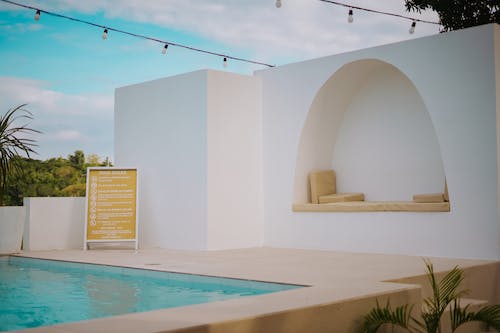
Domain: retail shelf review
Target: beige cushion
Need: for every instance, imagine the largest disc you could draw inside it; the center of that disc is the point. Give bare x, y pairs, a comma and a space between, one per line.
341, 197
322, 183
431, 197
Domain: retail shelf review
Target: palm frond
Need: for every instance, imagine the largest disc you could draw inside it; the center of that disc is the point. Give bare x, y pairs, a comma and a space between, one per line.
444, 293
489, 315
14, 142
450, 284
379, 316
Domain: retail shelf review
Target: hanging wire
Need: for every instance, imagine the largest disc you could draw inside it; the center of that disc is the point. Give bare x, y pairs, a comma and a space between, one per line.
107, 28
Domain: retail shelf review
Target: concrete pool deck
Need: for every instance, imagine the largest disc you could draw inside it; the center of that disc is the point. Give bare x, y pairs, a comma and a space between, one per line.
342, 288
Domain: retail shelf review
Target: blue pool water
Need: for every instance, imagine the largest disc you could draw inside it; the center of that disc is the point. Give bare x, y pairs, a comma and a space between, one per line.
35, 292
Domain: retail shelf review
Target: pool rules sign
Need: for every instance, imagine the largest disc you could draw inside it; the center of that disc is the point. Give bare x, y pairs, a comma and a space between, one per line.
111, 206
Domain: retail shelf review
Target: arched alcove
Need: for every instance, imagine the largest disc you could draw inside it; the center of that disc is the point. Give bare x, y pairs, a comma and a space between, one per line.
369, 123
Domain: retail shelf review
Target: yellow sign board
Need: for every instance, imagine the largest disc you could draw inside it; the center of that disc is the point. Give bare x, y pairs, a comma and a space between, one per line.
111, 210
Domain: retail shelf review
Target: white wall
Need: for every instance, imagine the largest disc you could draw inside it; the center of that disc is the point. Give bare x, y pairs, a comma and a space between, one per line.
161, 128
54, 223
370, 125
11, 228
386, 145
234, 161
194, 136
195, 139
321, 126
497, 84
455, 77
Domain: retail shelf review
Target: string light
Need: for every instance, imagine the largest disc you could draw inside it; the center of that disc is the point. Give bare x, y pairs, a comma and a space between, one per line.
37, 15
350, 17
105, 34
164, 50
224, 62
351, 7
107, 28
412, 27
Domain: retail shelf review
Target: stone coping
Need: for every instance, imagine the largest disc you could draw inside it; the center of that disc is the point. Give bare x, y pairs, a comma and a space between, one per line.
343, 287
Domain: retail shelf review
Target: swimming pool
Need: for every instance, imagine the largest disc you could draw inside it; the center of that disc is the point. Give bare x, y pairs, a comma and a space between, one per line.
38, 292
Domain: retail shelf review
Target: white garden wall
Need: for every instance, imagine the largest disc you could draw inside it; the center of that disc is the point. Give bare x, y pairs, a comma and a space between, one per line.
54, 223
161, 128
222, 157
195, 141
454, 74
11, 229
234, 161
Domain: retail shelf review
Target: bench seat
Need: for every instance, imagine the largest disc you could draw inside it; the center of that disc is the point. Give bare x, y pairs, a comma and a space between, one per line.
373, 206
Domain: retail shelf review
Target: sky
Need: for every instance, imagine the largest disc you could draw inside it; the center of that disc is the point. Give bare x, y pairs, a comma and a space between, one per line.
66, 73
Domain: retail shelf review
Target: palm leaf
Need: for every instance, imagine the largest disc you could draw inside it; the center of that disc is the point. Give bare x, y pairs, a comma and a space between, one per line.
379, 316
444, 293
14, 142
489, 315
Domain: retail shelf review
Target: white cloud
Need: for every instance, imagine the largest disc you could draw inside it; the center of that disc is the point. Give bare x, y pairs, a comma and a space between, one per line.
21, 27
68, 122
68, 135
15, 90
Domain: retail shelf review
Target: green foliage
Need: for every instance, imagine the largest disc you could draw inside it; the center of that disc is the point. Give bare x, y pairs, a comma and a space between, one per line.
55, 177
77, 160
380, 316
14, 143
489, 315
459, 14
444, 293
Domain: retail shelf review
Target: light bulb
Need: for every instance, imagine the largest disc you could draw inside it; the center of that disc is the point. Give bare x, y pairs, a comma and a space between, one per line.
224, 62
278, 3
105, 34
164, 49
412, 28
350, 18
37, 15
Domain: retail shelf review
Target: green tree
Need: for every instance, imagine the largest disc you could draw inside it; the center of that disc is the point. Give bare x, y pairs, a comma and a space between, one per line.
444, 293
14, 143
54, 177
459, 14
78, 160
92, 159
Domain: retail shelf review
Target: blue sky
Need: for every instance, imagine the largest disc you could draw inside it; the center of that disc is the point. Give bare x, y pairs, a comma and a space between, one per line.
67, 74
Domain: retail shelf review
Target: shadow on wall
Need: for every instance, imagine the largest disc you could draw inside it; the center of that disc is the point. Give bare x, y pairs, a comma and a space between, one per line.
369, 123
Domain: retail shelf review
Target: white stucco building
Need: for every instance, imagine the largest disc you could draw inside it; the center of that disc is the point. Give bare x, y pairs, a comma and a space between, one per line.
223, 157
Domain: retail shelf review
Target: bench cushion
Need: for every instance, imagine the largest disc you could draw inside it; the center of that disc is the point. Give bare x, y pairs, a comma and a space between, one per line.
341, 197
431, 197
322, 183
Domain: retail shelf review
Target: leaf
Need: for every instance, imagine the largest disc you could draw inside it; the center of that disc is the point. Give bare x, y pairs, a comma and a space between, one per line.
379, 316
14, 142
489, 315
444, 293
